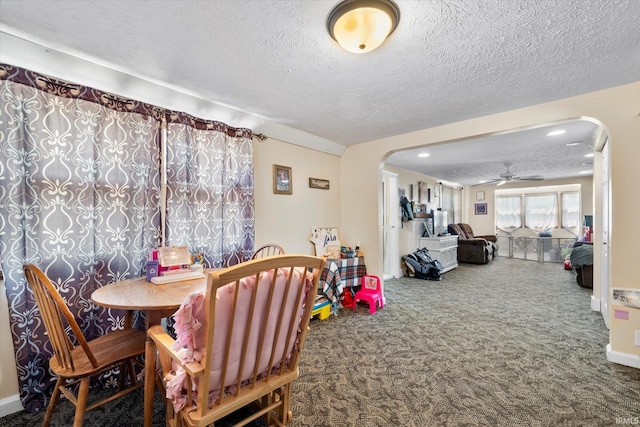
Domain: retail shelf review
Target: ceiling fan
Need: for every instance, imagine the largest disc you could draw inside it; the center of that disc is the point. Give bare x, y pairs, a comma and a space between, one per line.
510, 176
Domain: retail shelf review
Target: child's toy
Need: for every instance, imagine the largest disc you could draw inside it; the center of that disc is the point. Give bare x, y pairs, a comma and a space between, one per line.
370, 292
321, 309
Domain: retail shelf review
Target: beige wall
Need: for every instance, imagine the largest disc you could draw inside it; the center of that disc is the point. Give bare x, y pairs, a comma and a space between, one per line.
287, 219
616, 108
8, 374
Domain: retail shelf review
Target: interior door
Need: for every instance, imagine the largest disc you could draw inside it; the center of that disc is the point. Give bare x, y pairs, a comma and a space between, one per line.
604, 279
391, 224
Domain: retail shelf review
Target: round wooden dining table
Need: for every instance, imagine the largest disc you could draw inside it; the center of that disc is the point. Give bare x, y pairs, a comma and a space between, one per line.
156, 301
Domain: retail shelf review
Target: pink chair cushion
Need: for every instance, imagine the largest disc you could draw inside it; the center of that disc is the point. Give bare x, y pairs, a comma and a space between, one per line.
190, 330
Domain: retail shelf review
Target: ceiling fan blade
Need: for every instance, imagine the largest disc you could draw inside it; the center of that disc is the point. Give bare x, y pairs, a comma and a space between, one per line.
501, 183
531, 178
487, 182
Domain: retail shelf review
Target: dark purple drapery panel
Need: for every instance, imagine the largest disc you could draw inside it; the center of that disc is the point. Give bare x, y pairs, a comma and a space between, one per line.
80, 196
210, 200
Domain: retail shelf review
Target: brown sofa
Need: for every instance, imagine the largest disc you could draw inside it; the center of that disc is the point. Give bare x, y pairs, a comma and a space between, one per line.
473, 249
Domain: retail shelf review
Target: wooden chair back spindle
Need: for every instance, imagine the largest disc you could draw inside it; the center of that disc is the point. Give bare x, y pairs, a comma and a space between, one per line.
255, 322
269, 249
77, 364
53, 309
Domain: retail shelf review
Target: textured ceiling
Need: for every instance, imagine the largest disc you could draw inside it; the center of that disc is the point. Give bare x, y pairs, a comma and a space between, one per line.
447, 61
531, 152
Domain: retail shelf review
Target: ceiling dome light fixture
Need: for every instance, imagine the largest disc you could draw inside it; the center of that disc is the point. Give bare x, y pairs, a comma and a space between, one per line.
360, 26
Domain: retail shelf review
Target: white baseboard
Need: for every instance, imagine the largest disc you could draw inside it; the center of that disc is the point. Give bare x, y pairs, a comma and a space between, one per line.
10, 404
595, 303
632, 360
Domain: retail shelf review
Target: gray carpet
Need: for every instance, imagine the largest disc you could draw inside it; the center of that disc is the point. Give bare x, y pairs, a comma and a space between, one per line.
512, 343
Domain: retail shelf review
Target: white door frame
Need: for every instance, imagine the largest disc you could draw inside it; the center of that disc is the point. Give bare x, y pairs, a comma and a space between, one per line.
391, 225
605, 290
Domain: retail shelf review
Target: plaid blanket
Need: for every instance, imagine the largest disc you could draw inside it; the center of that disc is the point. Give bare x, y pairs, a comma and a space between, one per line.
341, 273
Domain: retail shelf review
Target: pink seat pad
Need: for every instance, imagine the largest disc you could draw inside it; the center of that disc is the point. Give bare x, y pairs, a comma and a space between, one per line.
190, 331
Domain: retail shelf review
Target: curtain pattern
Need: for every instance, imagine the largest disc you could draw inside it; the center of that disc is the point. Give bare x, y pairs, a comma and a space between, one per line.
80, 196
210, 203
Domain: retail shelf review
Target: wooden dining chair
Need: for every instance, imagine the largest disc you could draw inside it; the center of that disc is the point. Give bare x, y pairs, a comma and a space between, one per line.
269, 249
77, 364
238, 344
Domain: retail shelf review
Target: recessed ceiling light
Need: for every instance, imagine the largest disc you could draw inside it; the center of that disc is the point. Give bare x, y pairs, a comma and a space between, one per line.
423, 155
585, 172
482, 182
589, 155
573, 144
556, 132
586, 164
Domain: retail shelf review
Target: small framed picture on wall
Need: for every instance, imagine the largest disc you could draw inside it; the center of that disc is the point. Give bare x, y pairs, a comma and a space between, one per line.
282, 181
479, 195
481, 208
322, 184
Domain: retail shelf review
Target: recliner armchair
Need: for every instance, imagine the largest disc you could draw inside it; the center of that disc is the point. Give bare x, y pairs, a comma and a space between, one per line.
468, 231
472, 250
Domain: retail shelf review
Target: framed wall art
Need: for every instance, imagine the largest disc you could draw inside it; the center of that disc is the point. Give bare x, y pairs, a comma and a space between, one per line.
282, 180
479, 195
322, 184
481, 208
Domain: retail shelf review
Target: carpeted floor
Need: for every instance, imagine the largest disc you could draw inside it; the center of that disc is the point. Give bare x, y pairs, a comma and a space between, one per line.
512, 343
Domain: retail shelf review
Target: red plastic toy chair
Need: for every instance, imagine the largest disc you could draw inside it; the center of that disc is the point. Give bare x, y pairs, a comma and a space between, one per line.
370, 292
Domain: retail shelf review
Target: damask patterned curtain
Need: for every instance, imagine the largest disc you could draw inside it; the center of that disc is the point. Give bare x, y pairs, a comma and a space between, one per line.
81, 197
210, 189
79, 187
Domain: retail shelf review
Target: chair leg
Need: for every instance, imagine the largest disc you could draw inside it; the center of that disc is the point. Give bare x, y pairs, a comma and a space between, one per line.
127, 369
173, 418
132, 372
149, 381
81, 404
122, 378
263, 402
52, 403
287, 415
372, 307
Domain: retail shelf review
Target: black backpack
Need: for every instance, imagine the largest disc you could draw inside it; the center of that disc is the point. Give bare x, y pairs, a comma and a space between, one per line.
407, 211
